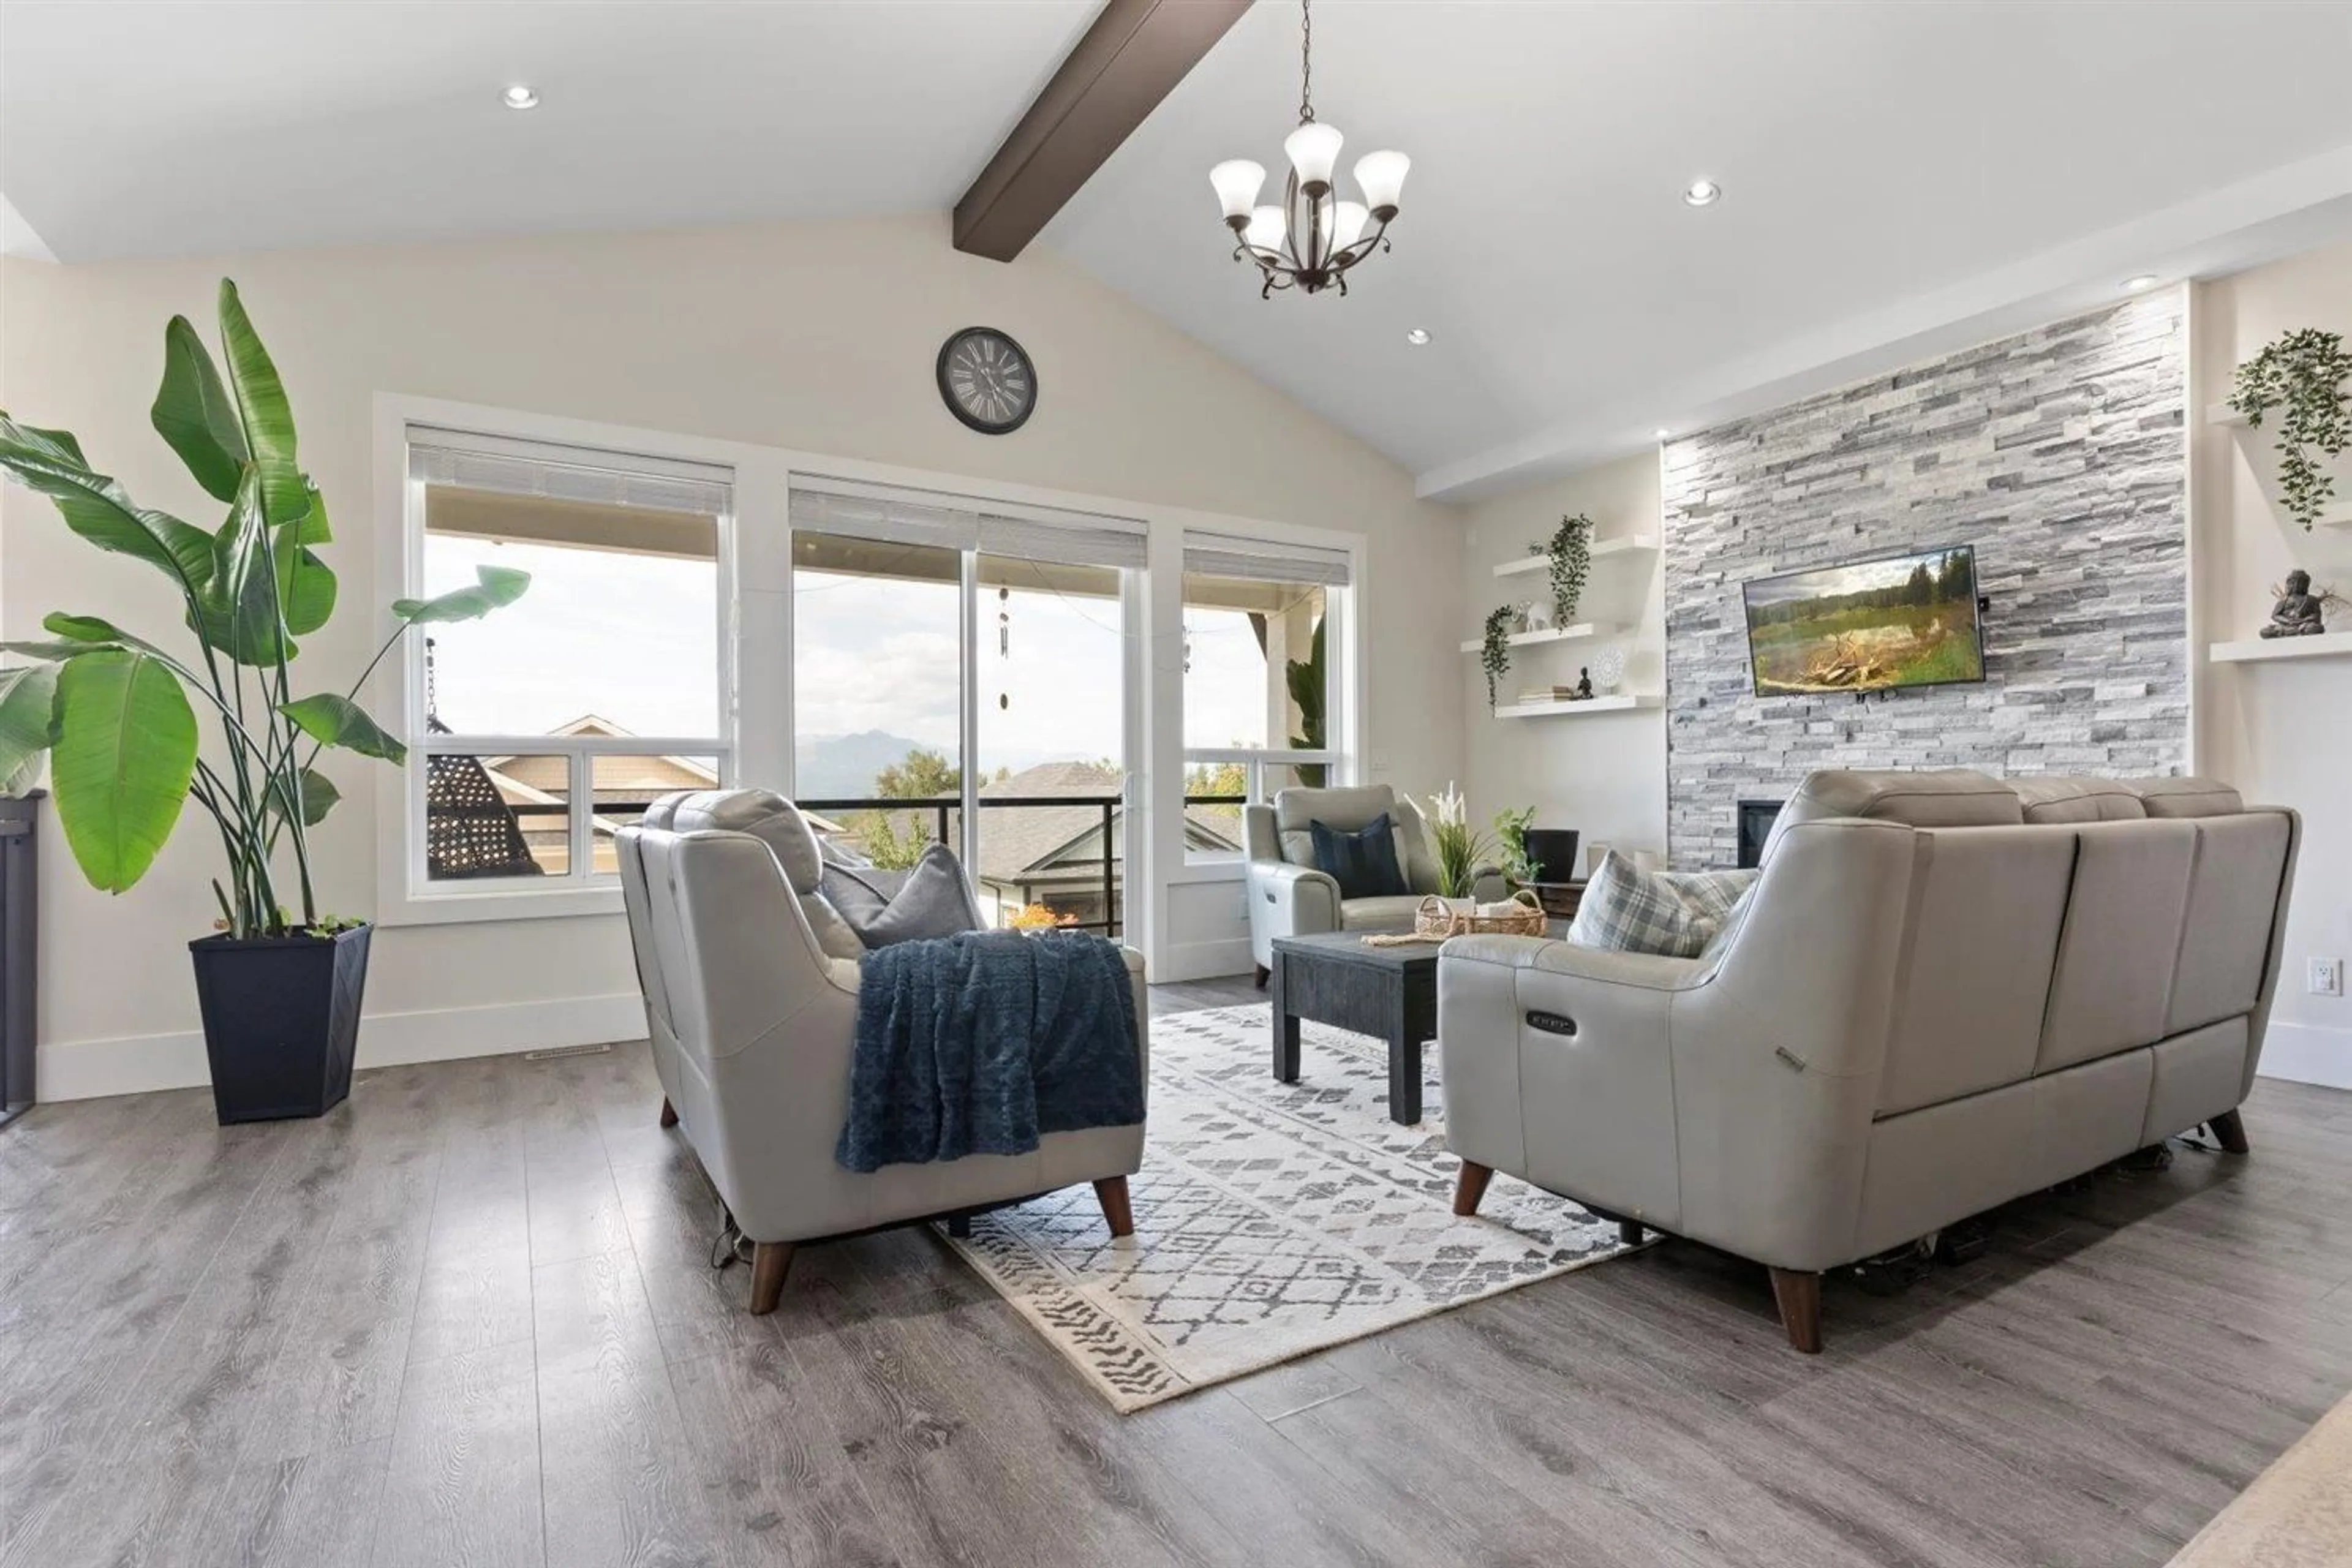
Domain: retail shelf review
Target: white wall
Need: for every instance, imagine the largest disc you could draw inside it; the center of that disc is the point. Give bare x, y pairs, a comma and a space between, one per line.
815, 337
1603, 775
2276, 731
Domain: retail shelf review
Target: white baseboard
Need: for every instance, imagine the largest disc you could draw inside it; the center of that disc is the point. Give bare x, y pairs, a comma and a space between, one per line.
2308, 1053
82, 1070
1203, 961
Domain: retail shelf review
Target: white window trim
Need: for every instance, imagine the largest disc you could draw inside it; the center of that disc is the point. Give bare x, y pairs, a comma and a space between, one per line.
404, 895
760, 648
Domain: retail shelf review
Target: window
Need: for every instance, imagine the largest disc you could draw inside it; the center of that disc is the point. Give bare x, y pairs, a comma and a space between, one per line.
1259, 695
543, 729
961, 675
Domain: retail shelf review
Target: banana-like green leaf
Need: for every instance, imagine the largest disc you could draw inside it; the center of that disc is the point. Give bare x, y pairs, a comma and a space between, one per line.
320, 796
313, 529
126, 750
239, 611
54, 652
498, 587
28, 700
84, 628
262, 409
195, 412
306, 587
338, 721
95, 507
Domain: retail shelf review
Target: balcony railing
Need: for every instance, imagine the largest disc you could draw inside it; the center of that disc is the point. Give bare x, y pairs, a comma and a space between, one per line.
939, 808
613, 814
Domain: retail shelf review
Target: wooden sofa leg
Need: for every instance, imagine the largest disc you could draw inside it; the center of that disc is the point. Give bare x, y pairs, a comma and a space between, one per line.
1470, 1186
1800, 1296
669, 1112
2229, 1128
1111, 1192
1628, 1231
770, 1261
1263, 975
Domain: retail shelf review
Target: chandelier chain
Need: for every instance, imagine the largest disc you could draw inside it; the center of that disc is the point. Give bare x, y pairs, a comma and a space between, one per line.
1306, 63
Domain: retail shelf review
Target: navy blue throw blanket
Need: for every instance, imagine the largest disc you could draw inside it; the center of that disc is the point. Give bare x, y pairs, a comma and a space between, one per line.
982, 1042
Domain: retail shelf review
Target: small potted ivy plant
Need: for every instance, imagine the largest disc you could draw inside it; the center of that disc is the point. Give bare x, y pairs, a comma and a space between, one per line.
279, 984
2301, 376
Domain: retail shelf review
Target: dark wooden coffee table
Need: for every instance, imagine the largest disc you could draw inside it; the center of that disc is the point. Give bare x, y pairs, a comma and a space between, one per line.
1388, 992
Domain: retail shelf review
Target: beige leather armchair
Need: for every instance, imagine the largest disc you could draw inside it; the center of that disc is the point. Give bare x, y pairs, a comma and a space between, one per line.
751, 1023
1944, 993
1288, 896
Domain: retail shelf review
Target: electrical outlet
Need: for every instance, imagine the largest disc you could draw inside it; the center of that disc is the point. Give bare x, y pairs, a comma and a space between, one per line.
2327, 977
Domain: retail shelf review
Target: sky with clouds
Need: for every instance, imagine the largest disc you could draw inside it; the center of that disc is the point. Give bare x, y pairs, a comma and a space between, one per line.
632, 638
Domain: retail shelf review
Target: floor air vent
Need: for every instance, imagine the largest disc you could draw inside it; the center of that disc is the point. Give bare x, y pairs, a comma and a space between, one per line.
561, 1052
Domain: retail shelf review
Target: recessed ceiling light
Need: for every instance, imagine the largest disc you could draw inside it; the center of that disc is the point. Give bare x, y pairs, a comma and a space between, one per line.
1418, 336
1663, 434
2145, 280
519, 97
1701, 192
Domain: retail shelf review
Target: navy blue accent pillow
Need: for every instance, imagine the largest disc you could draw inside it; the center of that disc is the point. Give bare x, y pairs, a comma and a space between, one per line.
1364, 863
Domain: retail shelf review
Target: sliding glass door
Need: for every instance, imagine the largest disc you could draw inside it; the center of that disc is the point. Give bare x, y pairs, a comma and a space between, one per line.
964, 675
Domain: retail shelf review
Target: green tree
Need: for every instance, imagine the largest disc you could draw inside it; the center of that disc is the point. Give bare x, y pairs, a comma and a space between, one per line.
925, 775
893, 843
1307, 678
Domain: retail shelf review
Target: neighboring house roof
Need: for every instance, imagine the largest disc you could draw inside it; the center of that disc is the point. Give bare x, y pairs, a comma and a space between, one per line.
617, 778
1042, 843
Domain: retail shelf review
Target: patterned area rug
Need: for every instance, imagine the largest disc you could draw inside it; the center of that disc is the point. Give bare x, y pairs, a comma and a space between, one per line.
1271, 1220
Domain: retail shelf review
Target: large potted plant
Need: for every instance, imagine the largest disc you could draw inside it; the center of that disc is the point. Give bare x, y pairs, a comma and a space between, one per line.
279, 984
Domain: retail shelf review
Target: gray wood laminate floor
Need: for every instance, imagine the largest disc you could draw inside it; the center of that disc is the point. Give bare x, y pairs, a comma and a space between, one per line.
468, 1320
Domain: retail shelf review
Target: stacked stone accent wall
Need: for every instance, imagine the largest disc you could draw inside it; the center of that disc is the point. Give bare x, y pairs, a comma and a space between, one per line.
2059, 454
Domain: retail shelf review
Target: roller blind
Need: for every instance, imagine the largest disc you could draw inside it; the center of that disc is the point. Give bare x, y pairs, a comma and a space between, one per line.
552, 471
953, 522
1264, 561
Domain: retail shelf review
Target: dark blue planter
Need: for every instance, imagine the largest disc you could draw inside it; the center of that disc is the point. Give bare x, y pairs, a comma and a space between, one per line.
282, 1021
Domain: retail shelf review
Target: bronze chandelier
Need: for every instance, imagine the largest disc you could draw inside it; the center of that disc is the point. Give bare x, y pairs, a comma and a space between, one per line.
1313, 239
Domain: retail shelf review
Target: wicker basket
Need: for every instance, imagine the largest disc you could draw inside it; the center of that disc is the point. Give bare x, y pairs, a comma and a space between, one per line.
1436, 918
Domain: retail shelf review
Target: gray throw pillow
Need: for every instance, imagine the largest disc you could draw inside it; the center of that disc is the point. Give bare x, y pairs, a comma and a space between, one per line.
1672, 914
927, 900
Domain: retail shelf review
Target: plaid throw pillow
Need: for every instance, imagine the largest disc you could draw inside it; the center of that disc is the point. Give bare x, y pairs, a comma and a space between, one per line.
1674, 914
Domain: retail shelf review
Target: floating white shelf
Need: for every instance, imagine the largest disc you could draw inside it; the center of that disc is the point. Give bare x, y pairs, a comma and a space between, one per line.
1554, 634
1602, 550
2262, 650
2222, 414
1622, 702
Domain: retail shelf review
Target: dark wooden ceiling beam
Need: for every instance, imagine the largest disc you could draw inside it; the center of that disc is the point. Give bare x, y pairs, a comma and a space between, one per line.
1133, 56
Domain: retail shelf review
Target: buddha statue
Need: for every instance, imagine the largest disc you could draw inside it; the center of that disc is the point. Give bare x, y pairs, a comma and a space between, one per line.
2299, 612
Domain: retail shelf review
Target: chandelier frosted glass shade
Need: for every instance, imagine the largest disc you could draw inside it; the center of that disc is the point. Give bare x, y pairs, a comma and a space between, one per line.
1314, 152
1381, 176
1237, 182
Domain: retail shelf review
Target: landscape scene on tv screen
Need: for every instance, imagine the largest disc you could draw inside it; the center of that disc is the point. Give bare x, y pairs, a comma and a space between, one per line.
1908, 620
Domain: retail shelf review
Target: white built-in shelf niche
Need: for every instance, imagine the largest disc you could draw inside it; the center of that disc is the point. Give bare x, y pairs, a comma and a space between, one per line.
1624, 702
1602, 550
1550, 634
2263, 651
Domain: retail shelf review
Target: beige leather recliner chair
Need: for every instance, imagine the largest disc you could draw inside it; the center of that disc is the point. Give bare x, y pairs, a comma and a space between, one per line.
1288, 896
751, 1021
1946, 992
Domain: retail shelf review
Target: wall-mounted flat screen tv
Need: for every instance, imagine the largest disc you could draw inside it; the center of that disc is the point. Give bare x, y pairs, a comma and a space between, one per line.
1905, 620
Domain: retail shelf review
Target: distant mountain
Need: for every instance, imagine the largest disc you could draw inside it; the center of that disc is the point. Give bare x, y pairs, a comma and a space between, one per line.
842, 767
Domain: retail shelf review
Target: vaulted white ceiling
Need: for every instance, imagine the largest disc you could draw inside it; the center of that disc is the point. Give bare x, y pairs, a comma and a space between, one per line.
1898, 176
179, 127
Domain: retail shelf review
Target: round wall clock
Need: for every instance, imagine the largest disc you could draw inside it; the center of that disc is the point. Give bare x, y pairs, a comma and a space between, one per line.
987, 381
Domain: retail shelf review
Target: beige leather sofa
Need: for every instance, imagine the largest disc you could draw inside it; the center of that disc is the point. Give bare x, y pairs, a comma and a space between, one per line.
1288, 896
1946, 992
751, 1020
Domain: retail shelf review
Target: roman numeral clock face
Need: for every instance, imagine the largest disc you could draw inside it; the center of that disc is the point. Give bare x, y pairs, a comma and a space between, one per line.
987, 380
